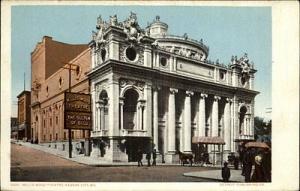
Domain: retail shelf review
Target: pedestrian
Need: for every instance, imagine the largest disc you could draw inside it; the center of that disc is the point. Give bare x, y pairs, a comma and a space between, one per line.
154, 157
225, 172
266, 164
148, 157
236, 161
247, 165
259, 174
242, 155
140, 157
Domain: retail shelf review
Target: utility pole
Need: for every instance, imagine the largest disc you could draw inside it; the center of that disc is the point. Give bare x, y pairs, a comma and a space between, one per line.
69, 90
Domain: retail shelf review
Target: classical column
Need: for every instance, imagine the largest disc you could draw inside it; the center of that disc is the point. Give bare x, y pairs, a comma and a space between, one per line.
171, 120
142, 117
121, 113
251, 127
245, 125
102, 117
232, 129
155, 117
157, 59
97, 116
215, 116
227, 124
137, 126
201, 118
248, 125
187, 121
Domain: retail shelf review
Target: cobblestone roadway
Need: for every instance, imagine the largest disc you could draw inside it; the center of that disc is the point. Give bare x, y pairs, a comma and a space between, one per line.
33, 165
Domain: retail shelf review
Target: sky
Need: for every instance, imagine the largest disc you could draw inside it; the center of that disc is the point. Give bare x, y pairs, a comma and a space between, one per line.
226, 30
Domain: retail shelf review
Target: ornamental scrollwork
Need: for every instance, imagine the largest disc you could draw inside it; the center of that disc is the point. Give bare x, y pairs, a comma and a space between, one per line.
128, 82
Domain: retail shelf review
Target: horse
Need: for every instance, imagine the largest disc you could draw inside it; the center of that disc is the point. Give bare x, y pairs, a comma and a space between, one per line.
183, 157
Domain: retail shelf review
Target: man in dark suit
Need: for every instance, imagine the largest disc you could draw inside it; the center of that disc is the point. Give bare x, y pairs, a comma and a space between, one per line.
154, 157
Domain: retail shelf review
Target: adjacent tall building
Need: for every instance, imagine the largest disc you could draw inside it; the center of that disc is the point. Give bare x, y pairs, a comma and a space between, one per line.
50, 61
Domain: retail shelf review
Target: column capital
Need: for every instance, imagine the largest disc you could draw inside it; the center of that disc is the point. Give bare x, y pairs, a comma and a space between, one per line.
173, 90
156, 88
141, 103
97, 104
229, 100
202, 95
121, 100
189, 93
217, 98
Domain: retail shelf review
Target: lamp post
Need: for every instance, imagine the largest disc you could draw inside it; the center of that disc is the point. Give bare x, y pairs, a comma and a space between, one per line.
69, 68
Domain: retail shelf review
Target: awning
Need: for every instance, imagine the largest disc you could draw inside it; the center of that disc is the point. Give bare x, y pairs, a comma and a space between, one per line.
257, 145
208, 140
243, 140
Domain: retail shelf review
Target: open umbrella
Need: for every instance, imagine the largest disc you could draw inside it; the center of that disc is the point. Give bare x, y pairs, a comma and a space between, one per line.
257, 145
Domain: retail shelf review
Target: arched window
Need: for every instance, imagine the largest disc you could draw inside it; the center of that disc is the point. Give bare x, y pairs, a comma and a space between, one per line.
243, 112
130, 109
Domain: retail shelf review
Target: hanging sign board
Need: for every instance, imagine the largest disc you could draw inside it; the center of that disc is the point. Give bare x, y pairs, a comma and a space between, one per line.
77, 111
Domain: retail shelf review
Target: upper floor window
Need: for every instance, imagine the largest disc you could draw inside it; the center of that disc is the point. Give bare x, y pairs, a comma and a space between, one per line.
131, 54
163, 61
103, 54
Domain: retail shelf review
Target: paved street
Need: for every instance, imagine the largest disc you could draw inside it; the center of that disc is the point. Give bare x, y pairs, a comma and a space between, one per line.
33, 165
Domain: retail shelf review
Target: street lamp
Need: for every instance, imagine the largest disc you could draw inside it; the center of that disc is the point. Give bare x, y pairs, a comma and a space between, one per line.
69, 89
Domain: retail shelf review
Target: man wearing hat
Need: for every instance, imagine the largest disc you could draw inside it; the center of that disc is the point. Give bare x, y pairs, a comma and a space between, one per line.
258, 175
225, 172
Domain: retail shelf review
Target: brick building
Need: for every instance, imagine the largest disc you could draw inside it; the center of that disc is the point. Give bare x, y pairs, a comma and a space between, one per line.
49, 80
24, 116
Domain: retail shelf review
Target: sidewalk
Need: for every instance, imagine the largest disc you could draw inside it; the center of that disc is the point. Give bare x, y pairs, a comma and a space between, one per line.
216, 175
86, 160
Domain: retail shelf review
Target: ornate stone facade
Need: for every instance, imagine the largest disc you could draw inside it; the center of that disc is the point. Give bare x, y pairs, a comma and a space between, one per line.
155, 90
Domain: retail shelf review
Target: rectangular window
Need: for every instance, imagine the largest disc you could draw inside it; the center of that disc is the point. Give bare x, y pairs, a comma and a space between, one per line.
56, 120
72, 134
50, 137
65, 135
83, 133
56, 136
50, 122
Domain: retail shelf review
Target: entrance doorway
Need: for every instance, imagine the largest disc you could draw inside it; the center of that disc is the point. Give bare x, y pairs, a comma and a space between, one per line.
135, 143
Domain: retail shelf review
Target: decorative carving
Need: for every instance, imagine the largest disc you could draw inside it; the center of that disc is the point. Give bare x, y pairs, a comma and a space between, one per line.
229, 100
172, 50
244, 62
173, 90
185, 36
132, 29
139, 51
189, 93
101, 27
137, 84
202, 95
114, 20
217, 98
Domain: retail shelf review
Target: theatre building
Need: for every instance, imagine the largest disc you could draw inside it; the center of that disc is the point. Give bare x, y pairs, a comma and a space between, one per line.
153, 90
50, 61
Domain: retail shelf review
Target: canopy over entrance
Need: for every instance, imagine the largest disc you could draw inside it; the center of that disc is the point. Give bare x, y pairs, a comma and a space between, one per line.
208, 140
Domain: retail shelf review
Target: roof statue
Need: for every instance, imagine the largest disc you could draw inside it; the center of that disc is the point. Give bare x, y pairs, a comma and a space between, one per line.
101, 27
244, 62
132, 28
